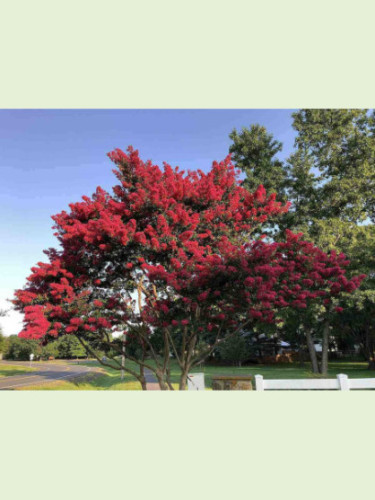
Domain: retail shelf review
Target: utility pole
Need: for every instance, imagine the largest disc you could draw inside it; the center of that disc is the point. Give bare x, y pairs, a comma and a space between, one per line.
123, 355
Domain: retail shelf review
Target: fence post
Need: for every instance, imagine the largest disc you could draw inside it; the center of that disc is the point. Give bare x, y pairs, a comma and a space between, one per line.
343, 382
259, 383
195, 382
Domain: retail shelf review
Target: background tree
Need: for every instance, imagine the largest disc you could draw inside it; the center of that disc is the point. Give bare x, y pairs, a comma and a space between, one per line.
235, 350
254, 151
3, 343
20, 349
329, 180
49, 351
341, 145
69, 347
339, 213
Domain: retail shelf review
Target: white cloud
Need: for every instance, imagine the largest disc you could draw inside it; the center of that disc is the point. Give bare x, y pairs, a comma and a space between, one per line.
11, 324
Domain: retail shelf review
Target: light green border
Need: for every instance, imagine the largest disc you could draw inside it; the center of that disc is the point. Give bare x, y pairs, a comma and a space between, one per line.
186, 445
199, 54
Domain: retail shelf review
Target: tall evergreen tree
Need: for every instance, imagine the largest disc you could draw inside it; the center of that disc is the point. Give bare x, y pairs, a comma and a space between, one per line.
339, 212
329, 179
254, 152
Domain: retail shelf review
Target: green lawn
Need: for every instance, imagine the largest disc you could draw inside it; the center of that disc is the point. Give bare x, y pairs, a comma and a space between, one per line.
111, 380
10, 370
288, 371
281, 371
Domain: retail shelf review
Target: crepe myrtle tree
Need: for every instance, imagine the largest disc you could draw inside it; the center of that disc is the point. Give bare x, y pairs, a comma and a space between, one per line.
180, 253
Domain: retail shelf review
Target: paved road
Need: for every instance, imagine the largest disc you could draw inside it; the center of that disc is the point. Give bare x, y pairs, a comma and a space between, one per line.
44, 372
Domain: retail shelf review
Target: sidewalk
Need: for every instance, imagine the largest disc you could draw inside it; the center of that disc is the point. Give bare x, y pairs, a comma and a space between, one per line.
151, 382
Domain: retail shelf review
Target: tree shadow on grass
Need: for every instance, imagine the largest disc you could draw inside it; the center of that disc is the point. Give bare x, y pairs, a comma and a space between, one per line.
104, 381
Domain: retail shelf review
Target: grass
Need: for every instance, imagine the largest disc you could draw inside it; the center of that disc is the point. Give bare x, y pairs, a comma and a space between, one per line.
11, 370
288, 371
109, 379
281, 371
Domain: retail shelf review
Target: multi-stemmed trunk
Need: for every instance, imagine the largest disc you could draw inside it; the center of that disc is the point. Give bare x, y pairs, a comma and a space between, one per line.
325, 345
183, 380
317, 367
186, 357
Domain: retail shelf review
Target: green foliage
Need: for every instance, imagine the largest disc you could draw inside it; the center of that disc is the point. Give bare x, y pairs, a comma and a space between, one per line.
340, 145
3, 342
20, 349
254, 151
330, 181
49, 350
300, 190
234, 350
339, 213
69, 347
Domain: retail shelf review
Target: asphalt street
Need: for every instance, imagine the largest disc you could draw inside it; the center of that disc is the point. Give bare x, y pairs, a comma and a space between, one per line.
44, 372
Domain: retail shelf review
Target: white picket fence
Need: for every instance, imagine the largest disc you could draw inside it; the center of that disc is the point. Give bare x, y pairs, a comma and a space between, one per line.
196, 382
341, 383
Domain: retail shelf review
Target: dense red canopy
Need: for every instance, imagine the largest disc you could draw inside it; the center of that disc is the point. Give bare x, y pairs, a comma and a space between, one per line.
190, 243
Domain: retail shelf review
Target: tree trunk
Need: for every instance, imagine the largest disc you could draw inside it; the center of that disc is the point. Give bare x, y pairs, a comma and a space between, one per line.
186, 358
369, 350
160, 380
301, 356
312, 352
123, 358
370, 356
182, 386
325, 342
183, 379
184, 375
142, 378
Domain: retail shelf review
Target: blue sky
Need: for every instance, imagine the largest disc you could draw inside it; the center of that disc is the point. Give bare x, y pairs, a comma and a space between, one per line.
50, 158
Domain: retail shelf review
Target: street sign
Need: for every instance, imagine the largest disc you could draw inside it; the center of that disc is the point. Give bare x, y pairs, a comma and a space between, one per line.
31, 357
196, 382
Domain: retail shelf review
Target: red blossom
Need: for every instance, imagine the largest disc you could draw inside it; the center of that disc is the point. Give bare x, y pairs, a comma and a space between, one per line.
188, 236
